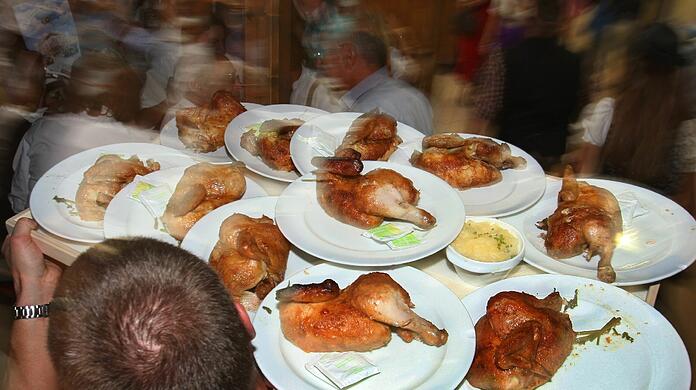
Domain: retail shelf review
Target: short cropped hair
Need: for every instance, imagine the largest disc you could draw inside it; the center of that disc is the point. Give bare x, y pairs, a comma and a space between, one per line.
370, 47
143, 314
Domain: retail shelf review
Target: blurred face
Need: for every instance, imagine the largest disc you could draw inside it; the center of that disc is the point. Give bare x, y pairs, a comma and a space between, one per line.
338, 63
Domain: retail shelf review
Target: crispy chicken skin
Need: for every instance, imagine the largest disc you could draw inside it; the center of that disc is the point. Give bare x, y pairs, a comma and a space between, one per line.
587, 219
272, 143
521, 341
250, 256
203, 188
323, 318
202, 129
465, 162
103, 180
366, 200
373, 135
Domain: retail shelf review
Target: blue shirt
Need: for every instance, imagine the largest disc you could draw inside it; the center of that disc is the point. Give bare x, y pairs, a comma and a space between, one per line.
394, 97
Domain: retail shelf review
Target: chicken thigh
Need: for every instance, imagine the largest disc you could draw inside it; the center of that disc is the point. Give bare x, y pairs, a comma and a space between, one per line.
521, 341
465, 162
587, 219
203, 128
103, 180
373, 135
366, 200
322, 318
271, 142
203, 188
250, 257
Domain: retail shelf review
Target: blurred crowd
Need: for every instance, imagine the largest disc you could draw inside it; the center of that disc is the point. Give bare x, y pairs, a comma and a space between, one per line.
596, 84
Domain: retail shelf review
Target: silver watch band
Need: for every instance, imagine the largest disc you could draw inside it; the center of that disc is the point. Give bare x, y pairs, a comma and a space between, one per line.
30, 312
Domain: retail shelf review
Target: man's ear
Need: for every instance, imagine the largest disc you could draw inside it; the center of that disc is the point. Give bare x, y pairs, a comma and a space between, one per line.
244, 316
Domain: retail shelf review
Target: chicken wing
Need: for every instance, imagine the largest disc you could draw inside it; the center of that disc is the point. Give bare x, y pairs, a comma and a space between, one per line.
521, 341
203, 128
271, 142
465, 162
103, 180
587, 219
373, 135
203, 188
250, 257
366, 200
323, 318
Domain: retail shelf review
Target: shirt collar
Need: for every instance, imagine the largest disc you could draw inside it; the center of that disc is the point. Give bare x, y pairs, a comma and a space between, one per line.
364, 86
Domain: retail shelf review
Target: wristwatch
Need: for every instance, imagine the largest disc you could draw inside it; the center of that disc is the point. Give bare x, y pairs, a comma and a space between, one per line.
30, 312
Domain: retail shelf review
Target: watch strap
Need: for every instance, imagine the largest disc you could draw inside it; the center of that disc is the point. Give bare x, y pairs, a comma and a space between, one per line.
30, 312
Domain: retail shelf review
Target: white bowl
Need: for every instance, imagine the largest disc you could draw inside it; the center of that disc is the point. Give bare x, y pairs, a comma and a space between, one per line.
483, 267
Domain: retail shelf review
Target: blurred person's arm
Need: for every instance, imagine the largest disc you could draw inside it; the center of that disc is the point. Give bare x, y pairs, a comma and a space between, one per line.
595, 121
29, 364
151, 117
490, 29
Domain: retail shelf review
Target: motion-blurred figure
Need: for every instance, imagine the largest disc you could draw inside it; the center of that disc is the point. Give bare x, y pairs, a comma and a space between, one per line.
358, 61
102, 98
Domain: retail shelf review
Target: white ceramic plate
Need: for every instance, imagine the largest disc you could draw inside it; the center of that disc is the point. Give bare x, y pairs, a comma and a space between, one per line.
126, 217
519, 188
203, 236
657, 359
402, 365
169, 136
305, 223
330, 130
241, 123
655, 246
65, 177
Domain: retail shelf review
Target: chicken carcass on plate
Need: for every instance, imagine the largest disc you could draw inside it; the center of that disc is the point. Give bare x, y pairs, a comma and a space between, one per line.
321, 317
366, 200
203, 188
202, 129
521, 342
103, 180
465, 162
250, 256
373, 135
587, 219
271, 142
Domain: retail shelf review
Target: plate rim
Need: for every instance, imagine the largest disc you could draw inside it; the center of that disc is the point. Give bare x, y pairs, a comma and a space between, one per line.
326, 270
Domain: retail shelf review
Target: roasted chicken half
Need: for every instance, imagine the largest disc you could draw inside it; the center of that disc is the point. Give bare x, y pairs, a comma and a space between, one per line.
465, 162
521, 341
250, 257
373, 135
103, 180
587, 219
323, 318
271, 142
203, 188
203, 128
366, 200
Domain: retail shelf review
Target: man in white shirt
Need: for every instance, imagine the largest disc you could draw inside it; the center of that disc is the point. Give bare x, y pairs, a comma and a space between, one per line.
358, 61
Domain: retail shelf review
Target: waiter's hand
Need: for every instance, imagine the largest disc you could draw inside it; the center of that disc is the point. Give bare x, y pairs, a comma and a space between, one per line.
35, 278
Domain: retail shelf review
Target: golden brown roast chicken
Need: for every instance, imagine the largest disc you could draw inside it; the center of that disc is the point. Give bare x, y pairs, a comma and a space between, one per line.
465, 162
103, 180
321, 317
521, 341
203, 128
587, 219
250, 257
373, 135
203, 188
271, 142
366, 200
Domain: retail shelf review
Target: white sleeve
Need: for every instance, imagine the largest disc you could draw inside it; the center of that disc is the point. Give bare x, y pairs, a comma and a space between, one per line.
595, 125
19, 192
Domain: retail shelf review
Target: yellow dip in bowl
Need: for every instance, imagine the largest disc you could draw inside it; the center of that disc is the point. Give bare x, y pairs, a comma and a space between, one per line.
486, 242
